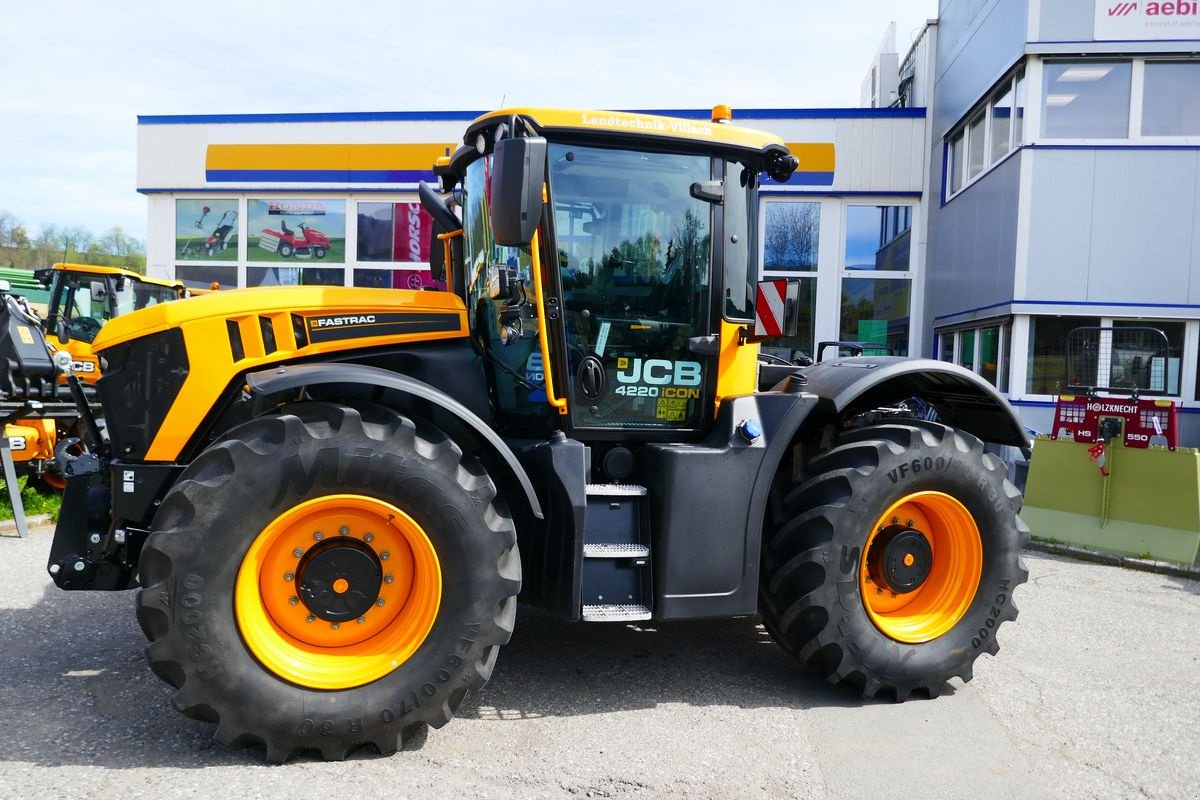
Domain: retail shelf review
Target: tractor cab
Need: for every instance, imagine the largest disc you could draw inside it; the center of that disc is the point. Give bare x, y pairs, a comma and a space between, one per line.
83, 297
636, 234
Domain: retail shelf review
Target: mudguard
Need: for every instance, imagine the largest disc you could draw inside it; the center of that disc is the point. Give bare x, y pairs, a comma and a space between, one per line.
962, 399
282, 379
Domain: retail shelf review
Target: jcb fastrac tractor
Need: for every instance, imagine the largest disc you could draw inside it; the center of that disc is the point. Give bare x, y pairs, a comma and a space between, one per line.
333, 498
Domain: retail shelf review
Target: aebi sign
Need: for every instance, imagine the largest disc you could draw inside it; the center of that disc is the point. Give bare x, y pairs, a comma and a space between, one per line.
1158, 19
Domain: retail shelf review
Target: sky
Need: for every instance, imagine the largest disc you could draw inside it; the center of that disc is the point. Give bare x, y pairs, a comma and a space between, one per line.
77, 74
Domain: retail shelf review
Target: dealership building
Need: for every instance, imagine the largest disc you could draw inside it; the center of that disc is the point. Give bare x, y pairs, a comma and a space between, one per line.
1027, 167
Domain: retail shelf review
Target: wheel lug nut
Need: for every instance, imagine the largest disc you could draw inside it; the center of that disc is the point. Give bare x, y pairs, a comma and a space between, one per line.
385, 555
344, 530
370, 537
288, 576
318, 536
293, 600
361, 620
310, 619
297, 552
335, 626
388, 578
380, 602
895, 520
909, 524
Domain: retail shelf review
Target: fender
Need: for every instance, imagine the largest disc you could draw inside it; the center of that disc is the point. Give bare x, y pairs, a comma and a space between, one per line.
962, 398
282, 379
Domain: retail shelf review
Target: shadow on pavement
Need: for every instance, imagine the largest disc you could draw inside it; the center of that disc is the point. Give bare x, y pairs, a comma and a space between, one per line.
76, 688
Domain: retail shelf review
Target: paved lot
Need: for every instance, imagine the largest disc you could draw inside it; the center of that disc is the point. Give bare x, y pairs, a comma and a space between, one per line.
1096, 693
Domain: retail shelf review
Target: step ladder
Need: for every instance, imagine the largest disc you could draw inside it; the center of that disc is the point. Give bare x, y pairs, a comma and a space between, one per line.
616, 554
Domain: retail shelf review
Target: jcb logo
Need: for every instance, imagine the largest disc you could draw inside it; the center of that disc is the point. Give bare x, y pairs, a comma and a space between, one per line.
659, 372
83, 366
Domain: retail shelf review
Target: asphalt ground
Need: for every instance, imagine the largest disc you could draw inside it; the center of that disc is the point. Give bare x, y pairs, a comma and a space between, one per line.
1095, 694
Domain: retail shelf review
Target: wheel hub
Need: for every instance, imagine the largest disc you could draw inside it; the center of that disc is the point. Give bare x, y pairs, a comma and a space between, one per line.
339, 579
900, 559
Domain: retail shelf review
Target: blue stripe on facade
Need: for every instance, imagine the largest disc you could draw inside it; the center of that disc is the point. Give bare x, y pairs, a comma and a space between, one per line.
803, 179
1110, 147
835, 193
467, 116
317, 175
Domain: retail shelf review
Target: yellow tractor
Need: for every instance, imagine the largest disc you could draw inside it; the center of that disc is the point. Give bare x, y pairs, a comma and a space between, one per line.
332, 499
82, 297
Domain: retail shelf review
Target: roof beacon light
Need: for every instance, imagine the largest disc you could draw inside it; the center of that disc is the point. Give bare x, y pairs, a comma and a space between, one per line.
722, 114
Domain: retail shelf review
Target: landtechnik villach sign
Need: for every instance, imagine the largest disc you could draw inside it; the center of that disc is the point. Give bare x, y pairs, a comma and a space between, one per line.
1134, 21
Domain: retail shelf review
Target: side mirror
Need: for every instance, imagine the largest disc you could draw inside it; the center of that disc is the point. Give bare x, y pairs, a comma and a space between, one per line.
64, 337
99, 293
444, 221
518, 173
503, 284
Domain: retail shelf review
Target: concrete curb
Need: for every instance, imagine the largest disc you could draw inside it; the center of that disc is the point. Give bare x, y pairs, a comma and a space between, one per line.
9, 526
1115, 560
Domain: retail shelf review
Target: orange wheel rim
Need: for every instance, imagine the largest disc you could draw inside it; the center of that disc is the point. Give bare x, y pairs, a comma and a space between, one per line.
54, 480
921, 567
338, 591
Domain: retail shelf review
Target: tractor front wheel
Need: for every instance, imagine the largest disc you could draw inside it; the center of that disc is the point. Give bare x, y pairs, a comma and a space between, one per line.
326, 578
891, 566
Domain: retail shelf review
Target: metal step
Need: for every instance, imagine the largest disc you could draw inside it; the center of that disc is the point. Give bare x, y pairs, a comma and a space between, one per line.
615, 490
616, 551
615, 613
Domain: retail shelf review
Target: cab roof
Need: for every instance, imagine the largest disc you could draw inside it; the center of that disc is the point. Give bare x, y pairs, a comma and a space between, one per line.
628, 124
96, 269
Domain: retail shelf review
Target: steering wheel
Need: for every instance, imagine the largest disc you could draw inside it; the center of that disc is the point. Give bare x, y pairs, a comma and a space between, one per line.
83, 328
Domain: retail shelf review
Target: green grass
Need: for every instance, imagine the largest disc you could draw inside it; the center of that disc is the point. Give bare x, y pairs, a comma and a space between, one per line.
36, 501
196, 250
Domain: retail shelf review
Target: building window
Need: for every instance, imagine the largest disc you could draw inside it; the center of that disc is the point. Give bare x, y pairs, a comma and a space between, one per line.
791, 236
1018, 137
955, 163
966, 356
1002, 108
989, 354
206, 230
1162, 375
947, 347
790, 244
1086, 99
876, 310
1047, 370
878, 237
991, 131
1171, 99
286, 230
199, 276
976, 157
393, 232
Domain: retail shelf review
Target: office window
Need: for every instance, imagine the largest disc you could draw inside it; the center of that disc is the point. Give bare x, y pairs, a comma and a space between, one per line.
954, 166
803, 342
1171, 99
791, 236
204, 276
1086, 99
1002, 108
1047, 365
876, 310
947, 347
989, 354
1162, 375
393, 232
976, 157
1018, 128
877, 237
966, 356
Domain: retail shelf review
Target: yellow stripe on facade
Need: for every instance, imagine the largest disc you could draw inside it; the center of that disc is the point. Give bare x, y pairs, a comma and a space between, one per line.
814, 156
323, 156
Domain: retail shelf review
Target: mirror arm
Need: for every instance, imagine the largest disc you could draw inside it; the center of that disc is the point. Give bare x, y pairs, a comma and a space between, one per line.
445, 238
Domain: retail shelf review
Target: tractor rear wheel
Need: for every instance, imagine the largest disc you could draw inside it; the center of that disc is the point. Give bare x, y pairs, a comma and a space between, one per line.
892, 564
329, 577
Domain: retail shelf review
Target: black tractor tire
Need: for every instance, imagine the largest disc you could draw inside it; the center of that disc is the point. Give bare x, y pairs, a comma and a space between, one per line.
233, 490
813, 554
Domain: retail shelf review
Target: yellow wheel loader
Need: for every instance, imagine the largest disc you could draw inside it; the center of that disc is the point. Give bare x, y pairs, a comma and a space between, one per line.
332, 499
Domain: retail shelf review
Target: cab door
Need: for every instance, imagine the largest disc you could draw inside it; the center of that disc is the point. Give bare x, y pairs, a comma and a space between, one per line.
634, 255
